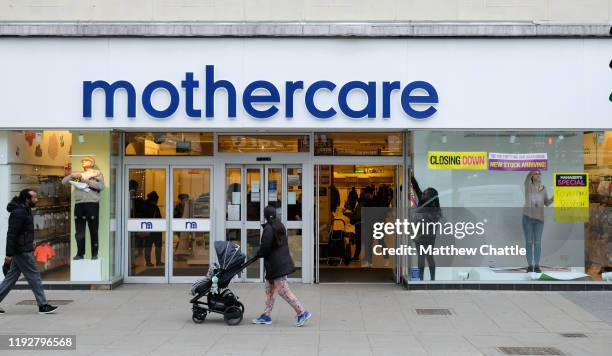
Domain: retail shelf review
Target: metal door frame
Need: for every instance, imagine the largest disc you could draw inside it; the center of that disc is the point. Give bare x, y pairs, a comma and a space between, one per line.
126, 245
283, 161
170, 247
162, 163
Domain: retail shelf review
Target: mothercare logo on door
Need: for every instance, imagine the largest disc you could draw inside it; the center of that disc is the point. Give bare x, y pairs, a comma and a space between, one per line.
261, 99
451, 160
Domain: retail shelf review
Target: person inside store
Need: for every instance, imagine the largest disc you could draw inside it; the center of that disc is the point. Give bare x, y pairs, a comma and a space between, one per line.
351, 200
366, 200
19, 250
179, 209
136, 211
533, 218
151, 211
428, 210
294, 211
87, 205
274, 249
182, 211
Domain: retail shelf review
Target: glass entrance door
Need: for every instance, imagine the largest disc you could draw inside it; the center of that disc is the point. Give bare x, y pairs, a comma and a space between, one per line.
249, 189
147, 224
168, 223
191, 223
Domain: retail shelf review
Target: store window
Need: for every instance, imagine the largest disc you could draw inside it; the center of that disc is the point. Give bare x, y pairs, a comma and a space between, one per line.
547, 193
71, 172
264, 143
358, 144
168, 144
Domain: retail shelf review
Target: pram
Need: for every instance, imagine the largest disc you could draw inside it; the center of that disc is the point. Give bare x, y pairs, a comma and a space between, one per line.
219, 299
339, 246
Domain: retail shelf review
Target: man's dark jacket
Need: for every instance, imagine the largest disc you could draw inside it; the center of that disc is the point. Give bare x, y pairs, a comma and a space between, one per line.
20, 235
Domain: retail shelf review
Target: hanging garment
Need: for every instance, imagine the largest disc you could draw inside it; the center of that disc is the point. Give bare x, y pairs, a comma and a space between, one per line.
44, 252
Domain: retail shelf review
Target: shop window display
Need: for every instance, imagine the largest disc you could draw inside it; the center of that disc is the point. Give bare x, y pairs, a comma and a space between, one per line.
529, 191
47, 162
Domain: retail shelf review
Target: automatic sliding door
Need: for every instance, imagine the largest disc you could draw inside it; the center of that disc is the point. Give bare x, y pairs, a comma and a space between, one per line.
249, 188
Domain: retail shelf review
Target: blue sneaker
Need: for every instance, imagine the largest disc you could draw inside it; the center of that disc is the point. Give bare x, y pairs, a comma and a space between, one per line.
301, 319
263, 319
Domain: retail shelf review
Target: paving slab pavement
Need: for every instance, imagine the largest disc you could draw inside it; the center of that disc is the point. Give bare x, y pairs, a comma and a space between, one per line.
355, 319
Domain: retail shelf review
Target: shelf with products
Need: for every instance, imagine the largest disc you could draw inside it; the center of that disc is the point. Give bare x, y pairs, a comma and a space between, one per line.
598, 230
52, 214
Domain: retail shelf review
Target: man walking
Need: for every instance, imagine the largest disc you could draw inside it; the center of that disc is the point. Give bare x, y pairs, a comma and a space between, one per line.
19, 247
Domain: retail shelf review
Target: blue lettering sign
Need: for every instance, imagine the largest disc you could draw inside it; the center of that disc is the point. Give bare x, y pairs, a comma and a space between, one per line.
261, 99
146, 225
191, 225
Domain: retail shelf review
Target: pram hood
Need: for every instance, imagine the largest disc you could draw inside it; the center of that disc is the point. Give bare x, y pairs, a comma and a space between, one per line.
229, 254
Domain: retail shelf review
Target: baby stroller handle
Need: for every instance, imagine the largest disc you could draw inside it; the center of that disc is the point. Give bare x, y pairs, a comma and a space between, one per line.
247, 263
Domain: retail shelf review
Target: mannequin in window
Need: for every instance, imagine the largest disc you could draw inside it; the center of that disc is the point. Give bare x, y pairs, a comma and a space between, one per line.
88, 185
533, 218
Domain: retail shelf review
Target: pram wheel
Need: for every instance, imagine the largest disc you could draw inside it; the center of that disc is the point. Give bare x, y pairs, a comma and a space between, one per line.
199, 316
241, 306
232, 315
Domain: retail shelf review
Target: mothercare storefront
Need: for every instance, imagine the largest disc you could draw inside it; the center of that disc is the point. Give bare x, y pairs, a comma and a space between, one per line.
386, 161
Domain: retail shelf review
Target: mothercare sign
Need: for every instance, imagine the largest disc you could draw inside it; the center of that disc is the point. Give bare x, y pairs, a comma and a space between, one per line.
571, 194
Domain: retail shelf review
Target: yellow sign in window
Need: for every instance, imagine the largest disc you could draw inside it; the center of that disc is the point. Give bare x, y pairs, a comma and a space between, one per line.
453, 160
571, 194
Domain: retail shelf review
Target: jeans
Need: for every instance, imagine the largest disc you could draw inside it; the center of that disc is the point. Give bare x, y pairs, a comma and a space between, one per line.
154, 238
24, 263
86, 214
533, 239
426, 242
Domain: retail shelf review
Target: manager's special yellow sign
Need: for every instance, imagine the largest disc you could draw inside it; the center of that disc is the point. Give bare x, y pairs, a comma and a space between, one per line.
571, 194
453, 160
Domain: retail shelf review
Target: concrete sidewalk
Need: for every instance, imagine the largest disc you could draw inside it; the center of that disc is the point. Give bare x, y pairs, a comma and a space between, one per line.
348, 319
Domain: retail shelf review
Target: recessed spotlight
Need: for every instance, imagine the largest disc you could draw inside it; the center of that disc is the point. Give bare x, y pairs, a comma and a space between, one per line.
444, 139
512, 138
81, 138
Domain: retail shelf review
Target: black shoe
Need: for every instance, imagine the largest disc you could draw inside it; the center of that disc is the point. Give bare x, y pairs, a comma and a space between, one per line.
529, 269
160, 264
537, 269
2, 311
94, 257
77, 257
47, 309
149, 264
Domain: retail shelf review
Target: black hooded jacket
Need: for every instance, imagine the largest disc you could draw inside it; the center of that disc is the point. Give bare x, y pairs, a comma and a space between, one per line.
277, 259
20, 234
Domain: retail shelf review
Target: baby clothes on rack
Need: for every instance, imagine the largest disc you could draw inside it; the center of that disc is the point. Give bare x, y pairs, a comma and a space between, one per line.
44, 252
